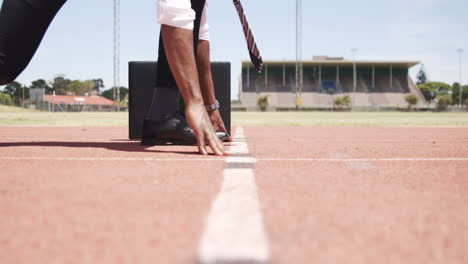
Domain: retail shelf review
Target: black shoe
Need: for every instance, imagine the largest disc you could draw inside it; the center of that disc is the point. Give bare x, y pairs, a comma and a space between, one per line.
172, 129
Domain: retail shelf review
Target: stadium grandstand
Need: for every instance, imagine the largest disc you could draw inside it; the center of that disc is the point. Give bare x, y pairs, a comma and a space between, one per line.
370, 84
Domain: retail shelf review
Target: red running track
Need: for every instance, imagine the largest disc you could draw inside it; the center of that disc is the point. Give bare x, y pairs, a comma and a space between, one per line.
329, 195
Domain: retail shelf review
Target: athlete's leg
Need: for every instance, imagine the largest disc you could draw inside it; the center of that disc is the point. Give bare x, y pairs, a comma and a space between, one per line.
23, 23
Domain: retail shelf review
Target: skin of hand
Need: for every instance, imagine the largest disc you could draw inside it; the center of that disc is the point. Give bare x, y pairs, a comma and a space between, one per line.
207, 86
178, 43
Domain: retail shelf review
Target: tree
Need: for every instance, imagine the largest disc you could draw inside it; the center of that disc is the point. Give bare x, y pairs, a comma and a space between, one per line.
41, 84
263, 103
443, 102
18, 92
59, 84
75, 87
89, 87
341, 102
109, 94
347, 101
338, 103
411, 99
99, 84
5, 99
456, 93
422, 76
431, 90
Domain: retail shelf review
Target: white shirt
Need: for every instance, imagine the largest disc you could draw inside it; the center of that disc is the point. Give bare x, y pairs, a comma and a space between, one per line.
179, 13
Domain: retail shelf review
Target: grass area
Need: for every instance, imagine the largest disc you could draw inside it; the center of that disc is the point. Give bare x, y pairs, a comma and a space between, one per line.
14, 109
64, 119
18, 116
350, 119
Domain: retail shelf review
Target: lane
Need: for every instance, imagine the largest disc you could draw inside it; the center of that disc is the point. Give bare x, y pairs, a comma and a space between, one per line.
359, 142
82, 142
120, 209
371, 212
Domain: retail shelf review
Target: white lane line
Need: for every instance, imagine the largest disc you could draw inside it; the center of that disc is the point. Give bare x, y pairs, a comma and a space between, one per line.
234, 230
109, 159
363, 159
361, 165
379, 140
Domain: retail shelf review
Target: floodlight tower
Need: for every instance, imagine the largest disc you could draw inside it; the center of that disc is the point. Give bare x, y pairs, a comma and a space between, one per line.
353, 51
299, 66
460, 53
116, 89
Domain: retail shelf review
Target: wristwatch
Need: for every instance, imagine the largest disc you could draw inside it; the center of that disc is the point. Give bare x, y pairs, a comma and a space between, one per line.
213, 106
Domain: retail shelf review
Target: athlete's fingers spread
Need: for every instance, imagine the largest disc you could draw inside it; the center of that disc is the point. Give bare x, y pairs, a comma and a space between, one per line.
214, 146
202, 146
220, 145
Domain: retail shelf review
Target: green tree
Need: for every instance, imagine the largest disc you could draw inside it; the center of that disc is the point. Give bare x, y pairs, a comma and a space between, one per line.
421, 78
59, 84
75, 87
109, 93
5, 99
99, 84
338, 103
412, 100
41, 84
89, 87
456, 93
443, 101
341, 102
431, 90
17, 91
263, 103
347, 101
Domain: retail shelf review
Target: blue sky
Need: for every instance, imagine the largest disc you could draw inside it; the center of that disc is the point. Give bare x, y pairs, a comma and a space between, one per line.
79, 41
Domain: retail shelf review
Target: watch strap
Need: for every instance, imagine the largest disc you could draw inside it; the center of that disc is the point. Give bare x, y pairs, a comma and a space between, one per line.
211, 107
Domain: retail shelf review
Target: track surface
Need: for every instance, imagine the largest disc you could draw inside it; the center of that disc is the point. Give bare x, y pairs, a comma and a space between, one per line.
328, 195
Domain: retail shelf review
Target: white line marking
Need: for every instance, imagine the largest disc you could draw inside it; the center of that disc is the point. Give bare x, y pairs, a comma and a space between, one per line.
364, 159
241, 160
109, 159
379, 140
234, 231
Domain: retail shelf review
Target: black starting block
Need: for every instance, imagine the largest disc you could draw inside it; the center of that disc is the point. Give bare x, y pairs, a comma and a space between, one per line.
142, 82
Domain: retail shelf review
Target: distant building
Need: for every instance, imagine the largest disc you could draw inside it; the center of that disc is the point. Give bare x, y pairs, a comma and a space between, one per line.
70, 103
375, 84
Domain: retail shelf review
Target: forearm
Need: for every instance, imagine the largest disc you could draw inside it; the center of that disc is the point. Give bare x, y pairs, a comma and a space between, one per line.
178, 44
204, 72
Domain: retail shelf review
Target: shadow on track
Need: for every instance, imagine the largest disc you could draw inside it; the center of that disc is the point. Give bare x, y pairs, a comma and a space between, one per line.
129, 146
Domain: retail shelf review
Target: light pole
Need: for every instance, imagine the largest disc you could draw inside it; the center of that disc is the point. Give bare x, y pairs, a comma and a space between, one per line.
353, 51
299, 66
460, 53
116, 89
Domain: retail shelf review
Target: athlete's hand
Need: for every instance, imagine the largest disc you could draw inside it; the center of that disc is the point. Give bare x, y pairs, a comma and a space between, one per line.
200, 122
217, 122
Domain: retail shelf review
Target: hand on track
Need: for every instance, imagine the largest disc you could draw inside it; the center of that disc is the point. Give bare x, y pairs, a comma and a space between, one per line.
200, 122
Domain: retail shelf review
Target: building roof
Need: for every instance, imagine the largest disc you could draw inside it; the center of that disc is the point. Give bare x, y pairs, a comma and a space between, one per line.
78, 100
398, 64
